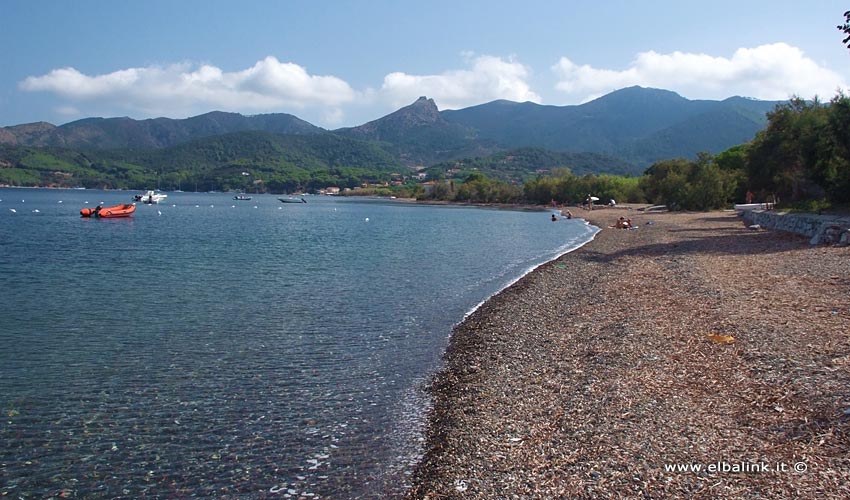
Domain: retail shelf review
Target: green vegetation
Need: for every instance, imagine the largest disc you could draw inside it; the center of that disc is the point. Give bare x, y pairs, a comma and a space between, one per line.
801, 158
845, 28
804, 153
250, 161
566, 188
690, 185
523, 164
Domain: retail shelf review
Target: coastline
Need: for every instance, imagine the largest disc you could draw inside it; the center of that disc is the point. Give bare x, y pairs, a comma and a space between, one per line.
594, 373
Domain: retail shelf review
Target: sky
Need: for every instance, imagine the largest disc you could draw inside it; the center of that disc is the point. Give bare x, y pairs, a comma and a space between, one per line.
344, 63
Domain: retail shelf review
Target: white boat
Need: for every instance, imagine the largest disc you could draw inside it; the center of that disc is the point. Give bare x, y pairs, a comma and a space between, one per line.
150, 197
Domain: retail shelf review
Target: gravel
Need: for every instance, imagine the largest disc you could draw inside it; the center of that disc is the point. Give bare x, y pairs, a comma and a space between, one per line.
688, 342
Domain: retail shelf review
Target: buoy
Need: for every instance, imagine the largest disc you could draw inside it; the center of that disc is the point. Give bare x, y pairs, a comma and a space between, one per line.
13, 210
367, 219
159, 212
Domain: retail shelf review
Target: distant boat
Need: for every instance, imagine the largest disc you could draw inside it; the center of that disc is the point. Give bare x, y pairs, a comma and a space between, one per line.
242, 197
150, 197
291, 199
123, 210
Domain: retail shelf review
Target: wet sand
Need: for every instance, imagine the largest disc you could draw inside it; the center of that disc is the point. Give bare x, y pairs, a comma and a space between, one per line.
689, 342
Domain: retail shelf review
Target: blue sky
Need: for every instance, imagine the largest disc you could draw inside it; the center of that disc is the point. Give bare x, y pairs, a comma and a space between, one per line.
344, 63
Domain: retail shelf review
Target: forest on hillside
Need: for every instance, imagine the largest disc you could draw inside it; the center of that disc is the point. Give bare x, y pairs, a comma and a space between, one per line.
801, 159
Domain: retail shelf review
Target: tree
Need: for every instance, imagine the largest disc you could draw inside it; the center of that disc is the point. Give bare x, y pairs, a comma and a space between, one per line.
690, 185
845, 28
832, 167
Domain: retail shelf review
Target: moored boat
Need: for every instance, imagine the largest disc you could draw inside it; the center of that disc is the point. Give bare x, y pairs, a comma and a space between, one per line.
242, 197
150, 197
292, 200
123, 210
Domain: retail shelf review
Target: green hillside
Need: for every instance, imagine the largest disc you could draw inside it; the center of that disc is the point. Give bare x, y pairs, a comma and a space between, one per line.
255, 161
519, 165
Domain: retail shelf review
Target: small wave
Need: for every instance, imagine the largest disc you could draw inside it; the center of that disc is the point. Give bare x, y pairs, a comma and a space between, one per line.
572, 245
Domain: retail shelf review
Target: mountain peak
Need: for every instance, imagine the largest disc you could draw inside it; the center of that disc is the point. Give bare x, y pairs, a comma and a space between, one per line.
423, 109
421, 113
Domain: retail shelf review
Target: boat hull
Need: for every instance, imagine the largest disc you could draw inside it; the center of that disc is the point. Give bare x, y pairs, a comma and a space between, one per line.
151, 197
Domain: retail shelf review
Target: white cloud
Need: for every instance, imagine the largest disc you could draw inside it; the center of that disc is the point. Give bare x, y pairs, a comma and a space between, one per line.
772, 72
67, 110
267, 86
489, 78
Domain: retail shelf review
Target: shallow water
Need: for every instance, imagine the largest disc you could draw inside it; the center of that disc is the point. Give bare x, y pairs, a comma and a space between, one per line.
213, 347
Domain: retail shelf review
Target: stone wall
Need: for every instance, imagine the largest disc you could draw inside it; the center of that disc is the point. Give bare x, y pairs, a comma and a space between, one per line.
820, 229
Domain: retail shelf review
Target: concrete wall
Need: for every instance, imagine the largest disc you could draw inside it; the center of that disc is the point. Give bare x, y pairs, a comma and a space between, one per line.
820, 229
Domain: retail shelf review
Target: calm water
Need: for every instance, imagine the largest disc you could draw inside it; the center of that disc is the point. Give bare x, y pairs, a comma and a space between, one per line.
221, 348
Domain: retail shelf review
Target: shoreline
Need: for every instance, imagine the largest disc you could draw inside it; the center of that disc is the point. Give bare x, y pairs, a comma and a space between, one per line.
527, 272
593, 372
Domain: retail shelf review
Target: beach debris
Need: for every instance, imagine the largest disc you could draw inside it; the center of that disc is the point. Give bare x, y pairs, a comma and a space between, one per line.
460, 485
720, 339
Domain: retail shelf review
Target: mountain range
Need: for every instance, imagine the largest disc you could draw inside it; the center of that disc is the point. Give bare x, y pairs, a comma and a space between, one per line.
635, 125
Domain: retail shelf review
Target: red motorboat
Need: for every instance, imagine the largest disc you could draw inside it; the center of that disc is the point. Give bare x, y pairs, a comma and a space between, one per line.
123, 210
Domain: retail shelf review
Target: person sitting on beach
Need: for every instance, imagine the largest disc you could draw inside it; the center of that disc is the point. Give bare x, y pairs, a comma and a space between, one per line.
568, 214
623, 223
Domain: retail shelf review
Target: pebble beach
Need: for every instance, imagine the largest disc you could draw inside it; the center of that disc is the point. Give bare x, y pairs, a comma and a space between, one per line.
691, 357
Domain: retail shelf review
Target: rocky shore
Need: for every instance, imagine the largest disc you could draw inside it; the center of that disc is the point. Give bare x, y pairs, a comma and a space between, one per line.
689, 358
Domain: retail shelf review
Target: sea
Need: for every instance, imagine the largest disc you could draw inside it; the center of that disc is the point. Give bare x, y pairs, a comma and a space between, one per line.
209, 347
